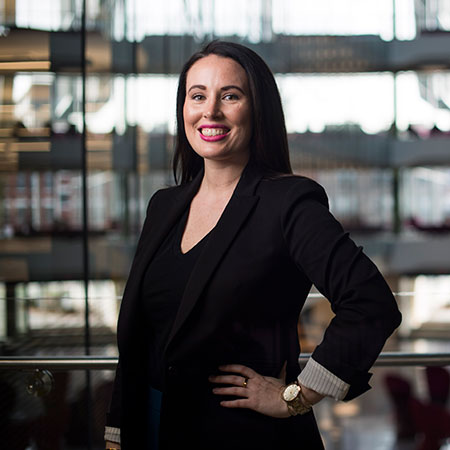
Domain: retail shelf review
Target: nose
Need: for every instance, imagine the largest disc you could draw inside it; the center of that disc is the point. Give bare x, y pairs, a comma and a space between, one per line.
212, 109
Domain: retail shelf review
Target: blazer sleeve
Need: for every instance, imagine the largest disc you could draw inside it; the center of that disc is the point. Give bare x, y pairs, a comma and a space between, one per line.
366, 312
114, 412
115, 406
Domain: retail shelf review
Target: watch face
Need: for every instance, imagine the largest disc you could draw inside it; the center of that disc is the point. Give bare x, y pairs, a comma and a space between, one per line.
291, 392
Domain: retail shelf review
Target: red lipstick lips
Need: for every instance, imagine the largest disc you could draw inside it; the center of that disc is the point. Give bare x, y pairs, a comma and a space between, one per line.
216, 137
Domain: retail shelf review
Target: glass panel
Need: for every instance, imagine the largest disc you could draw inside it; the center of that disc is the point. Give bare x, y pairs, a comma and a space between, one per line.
3, 322
41, 209
423, 104
319, 102
55, 311
59, 420
405, 406
432, 15
49, 318
425, 301
360, 199
331, 18
426, 199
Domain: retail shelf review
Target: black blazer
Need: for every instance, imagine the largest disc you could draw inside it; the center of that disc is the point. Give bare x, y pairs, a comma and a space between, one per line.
241, 305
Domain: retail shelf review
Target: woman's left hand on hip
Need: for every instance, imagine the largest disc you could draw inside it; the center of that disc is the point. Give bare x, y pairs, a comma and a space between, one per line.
257, 392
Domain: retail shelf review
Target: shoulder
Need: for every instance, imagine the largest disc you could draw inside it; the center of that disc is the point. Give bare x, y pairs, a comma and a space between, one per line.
292, 188
173, 191
164, 195
166, 192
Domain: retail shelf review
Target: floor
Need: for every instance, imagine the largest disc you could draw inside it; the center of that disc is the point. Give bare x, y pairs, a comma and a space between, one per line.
368, 422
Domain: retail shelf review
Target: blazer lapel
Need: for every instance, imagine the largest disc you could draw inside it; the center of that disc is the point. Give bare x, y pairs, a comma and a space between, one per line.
162, 220
239, 207
154, 231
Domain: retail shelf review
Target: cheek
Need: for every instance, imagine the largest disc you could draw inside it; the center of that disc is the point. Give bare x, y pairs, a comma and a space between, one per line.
185, 117
246, 119
245, 112
189, 124
189, 116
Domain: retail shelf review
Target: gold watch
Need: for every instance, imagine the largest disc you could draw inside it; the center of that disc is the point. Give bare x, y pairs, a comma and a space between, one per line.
295, 400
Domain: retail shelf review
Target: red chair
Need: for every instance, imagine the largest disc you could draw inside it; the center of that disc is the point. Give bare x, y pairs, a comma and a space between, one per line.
438, 379
399, 390
432, 422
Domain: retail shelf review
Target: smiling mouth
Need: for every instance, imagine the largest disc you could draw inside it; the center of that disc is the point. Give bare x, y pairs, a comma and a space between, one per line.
214, 131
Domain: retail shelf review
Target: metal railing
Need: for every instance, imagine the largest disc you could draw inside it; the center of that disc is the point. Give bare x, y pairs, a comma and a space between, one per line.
109, 363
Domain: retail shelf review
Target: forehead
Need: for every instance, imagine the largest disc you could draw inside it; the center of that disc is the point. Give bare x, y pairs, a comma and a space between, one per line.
215, 70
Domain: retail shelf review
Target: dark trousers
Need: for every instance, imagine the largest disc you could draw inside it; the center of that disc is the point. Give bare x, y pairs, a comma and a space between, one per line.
155, 413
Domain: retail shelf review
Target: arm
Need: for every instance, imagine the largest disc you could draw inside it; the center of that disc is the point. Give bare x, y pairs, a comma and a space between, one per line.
318, 379
112, 429
366, 312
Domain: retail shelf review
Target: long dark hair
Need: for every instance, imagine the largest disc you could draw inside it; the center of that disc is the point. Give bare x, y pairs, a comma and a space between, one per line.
268, 145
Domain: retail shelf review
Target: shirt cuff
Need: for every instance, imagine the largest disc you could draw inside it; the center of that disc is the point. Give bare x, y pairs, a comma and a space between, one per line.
314, 376
112, 434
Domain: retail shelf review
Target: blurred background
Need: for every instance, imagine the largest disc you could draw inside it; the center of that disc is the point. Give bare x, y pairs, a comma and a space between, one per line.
87, 116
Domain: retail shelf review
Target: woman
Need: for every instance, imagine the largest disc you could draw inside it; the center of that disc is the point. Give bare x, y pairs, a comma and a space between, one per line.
222, 269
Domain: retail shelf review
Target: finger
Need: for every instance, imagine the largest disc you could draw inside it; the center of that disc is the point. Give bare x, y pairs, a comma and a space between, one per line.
228, 379
240, 403
238, 368
237, 391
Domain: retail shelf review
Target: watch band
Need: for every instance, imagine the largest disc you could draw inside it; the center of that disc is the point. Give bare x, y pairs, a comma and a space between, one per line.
299, 404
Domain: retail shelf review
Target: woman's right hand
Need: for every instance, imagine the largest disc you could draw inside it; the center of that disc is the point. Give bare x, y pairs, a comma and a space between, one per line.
110, 445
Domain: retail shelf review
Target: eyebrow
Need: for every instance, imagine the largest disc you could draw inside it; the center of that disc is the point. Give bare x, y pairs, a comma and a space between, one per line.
225, 88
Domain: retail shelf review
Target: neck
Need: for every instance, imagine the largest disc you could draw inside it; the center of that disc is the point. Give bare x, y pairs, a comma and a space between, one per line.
220, 178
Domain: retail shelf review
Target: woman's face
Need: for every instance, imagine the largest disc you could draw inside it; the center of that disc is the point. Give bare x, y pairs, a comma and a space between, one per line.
217, 109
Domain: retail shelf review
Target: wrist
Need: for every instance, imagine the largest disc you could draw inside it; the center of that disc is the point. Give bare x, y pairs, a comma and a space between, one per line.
296, 403
309, 396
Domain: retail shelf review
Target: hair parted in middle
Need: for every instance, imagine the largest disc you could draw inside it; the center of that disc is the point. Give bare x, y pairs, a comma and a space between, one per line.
268, 145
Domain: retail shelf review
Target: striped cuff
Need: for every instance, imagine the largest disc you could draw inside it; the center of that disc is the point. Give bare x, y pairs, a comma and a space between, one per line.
314, 376
112, 434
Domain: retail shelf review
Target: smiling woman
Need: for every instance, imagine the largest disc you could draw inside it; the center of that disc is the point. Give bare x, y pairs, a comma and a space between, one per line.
207, 333
217, 110
259, 90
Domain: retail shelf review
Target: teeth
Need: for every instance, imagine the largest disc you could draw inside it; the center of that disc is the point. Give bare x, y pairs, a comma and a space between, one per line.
213, 131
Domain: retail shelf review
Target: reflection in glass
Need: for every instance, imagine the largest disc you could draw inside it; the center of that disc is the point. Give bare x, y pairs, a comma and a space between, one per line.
426, 199
423, 104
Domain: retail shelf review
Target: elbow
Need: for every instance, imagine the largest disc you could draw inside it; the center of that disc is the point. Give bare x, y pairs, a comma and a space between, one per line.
397, 319
393, 319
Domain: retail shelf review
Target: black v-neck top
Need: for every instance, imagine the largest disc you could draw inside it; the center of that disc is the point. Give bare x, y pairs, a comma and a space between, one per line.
162, 289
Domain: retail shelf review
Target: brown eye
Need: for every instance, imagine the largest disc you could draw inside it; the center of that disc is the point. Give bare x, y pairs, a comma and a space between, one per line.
230, 97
